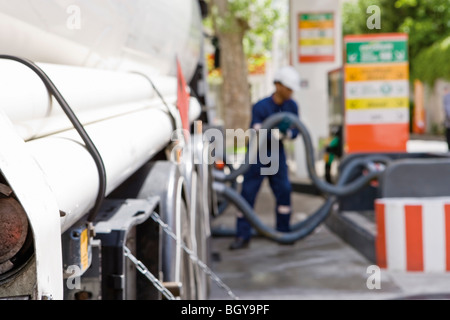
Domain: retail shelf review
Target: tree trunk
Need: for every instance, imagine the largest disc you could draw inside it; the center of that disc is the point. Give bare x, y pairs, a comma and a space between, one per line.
233, 63
236, 90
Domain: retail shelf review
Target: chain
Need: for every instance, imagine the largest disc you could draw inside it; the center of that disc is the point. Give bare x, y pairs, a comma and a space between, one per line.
193, 256
143, 269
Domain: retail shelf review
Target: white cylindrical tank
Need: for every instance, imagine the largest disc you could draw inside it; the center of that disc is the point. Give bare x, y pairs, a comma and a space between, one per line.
131, 35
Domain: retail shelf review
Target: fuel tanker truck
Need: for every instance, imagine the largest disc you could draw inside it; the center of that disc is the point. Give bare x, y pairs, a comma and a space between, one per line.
100, 193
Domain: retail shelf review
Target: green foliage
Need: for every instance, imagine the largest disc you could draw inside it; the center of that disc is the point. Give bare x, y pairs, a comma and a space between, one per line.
433, 62
256, 19
355, 16
427, 22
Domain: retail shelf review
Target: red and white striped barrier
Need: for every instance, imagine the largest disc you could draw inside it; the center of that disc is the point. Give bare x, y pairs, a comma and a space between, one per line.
413, 234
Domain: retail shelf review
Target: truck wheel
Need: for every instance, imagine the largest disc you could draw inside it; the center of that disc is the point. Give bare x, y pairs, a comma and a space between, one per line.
184, 272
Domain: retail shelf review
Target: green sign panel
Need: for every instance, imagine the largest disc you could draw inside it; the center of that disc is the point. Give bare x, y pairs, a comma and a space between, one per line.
316, 16
377, 52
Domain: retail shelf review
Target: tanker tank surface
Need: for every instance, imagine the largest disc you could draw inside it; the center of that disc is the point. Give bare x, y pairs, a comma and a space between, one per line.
93, 178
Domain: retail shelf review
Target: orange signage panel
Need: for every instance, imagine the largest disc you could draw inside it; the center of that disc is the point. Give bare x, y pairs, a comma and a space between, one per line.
390, 137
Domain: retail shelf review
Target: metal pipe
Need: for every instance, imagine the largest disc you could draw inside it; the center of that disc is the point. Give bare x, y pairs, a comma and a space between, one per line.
93, 94
125, 143
90, 146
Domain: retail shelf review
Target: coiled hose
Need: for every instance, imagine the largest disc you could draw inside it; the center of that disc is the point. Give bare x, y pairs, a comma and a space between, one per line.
305, 227
325, 187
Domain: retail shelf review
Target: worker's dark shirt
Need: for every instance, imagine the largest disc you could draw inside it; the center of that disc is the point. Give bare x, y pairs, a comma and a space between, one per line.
267, 107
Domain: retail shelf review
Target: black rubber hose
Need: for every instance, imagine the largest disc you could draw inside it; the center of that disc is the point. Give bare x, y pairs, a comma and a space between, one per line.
312, 222
325, 187
343, 178
223, 205
302, 229
342, 188
260, 227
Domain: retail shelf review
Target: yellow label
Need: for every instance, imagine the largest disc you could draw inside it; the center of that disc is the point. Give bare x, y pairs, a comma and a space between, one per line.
84, 243
378, 103
325, 24
317, 42
374, 72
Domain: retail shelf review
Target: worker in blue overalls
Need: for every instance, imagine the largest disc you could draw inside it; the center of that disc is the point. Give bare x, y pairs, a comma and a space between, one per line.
286, 81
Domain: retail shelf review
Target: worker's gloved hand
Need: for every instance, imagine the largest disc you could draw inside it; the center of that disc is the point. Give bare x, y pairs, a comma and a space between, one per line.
277, 134
284, 125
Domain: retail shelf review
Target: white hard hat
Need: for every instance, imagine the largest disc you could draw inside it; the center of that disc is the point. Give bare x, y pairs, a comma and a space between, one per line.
288, 77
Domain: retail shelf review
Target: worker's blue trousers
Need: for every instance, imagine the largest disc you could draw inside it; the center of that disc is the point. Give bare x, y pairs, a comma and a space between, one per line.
281, 188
